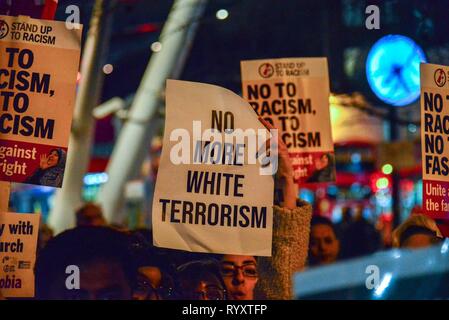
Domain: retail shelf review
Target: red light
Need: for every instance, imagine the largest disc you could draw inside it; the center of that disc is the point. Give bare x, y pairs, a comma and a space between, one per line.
147, 28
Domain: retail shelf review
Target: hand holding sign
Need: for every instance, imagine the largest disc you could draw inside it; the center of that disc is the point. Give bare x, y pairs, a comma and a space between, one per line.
285, 169
285, 174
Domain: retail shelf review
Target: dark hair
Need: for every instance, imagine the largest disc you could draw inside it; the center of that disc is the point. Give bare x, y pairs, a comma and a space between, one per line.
194, 271
220, 257
413, 230
61, 155
316, 220
329, 157
81, 246
57, 151
145, 254
80, 213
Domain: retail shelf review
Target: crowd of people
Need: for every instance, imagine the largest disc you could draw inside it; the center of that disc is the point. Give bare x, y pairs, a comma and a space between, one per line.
116, 263
123, 264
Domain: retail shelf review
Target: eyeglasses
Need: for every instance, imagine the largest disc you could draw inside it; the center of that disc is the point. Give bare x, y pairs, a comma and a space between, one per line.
210, 293
248, 270
146, 289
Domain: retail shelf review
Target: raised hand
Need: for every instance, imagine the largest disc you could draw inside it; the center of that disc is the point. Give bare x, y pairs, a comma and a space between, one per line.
285, 173
43, 164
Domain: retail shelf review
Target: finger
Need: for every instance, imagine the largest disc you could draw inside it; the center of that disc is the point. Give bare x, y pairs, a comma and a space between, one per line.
267, 124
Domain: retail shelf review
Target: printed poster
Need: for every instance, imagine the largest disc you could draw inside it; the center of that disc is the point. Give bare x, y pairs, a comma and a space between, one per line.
214, 190
18, 241
435, 139
38, 73
293, 95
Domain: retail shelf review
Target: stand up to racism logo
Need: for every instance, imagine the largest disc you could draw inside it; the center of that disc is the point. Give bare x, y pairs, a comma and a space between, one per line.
4, 29
266, 70
440, 77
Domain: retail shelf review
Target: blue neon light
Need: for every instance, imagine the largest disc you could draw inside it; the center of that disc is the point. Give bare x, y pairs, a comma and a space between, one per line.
392, 69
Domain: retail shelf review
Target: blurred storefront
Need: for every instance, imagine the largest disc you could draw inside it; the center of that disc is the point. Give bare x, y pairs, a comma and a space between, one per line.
365, 163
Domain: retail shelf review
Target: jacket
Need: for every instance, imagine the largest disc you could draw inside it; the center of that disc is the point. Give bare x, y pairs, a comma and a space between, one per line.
291, 231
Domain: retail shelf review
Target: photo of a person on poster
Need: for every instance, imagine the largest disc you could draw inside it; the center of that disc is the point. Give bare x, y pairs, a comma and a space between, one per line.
324, 169
51, 169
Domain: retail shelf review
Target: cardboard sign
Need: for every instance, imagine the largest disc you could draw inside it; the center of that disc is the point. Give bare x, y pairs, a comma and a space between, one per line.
435, 139
18, 241
38, 73
293, 94
210, 195
5, 188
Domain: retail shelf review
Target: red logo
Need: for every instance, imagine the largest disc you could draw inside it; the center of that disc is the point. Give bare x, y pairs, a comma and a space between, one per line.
266, 70
440, 77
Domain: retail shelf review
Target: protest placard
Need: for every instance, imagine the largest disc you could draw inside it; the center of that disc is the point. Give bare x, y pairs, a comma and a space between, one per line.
293, 94
213, 192
4, 195
38, 74
435, 139
18, 241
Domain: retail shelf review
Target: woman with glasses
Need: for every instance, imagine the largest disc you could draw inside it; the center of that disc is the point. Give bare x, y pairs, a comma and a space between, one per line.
152, 284
240, 276
271, 277
153, 280
199, 280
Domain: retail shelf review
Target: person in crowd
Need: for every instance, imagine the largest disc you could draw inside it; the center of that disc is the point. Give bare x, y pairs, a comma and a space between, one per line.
324, 169
86, 263
240, 276
90, 214
342, 229
324, 246
51, 169
291, 227
418, 231
361, 237
153, 283
154, 280
346, 219
200, 280
45, 235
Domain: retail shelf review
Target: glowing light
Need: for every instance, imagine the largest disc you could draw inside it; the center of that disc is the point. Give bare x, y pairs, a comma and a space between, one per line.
392, 69
412, 128
445, 246
95, 178
387, 168
156, 46
396, 254
222, 14
108, 68
382, 183
383, 285
356, 158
